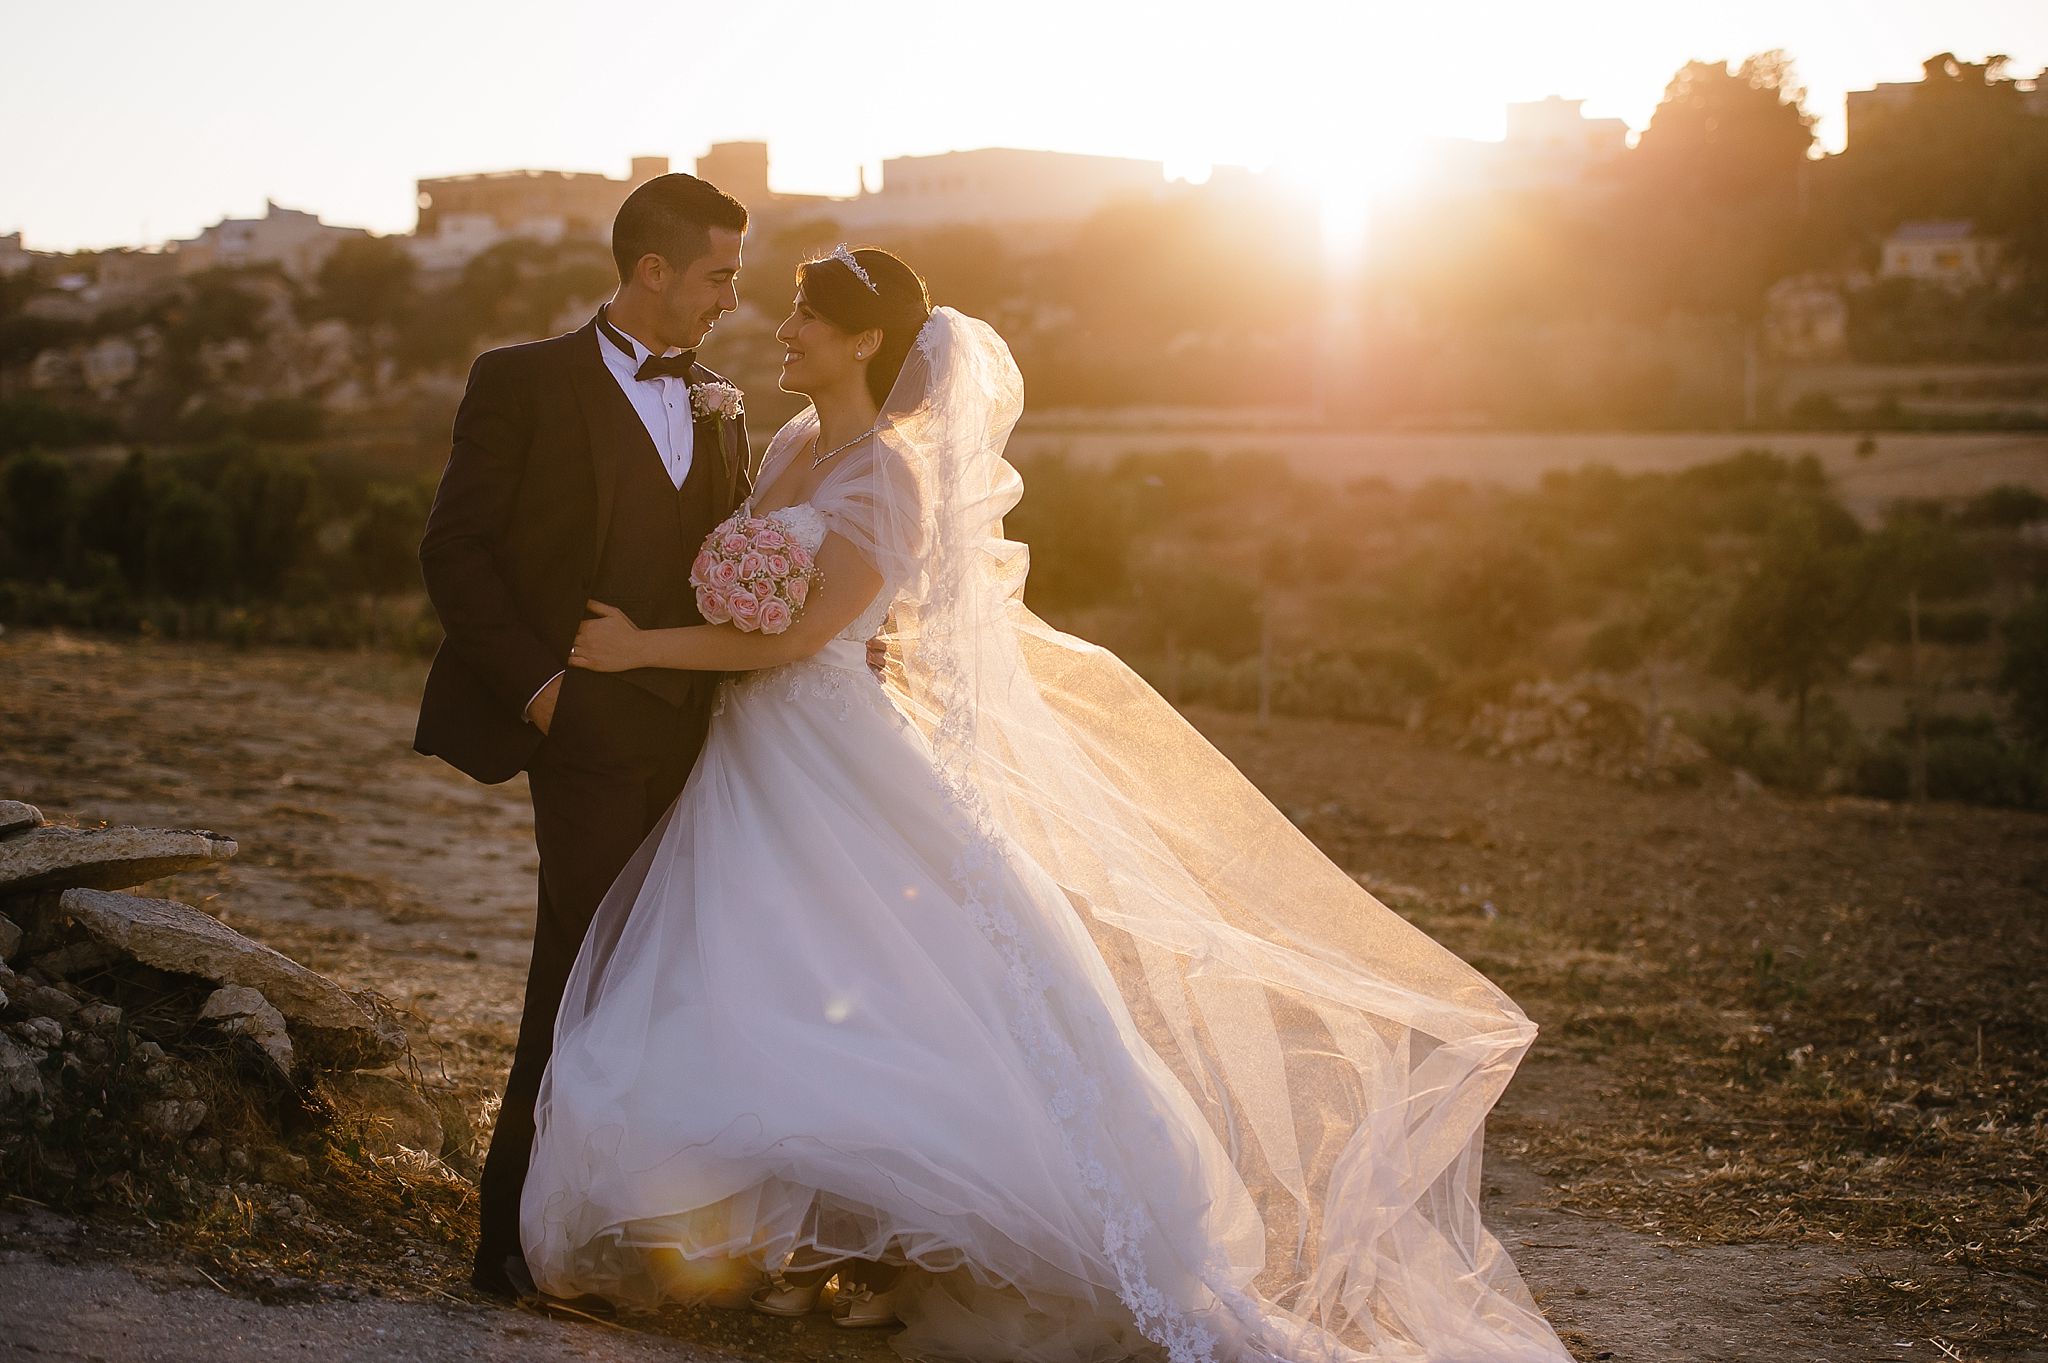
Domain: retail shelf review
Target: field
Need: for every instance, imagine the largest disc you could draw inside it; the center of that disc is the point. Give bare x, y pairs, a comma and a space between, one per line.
1788, 1100
1897, 465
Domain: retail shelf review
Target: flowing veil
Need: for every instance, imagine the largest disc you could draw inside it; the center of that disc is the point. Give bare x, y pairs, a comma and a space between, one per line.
1344, 1060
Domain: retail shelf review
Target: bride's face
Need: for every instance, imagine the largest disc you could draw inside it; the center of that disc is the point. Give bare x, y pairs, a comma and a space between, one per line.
817, 356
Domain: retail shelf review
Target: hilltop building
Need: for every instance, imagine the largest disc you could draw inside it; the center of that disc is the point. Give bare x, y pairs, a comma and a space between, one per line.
1873, 113
1948, 254
14, 257
548, 204
461, 216
295, 241
999, 187
1550, 146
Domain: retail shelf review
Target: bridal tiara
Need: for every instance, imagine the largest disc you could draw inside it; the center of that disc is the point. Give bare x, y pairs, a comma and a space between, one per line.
845, 257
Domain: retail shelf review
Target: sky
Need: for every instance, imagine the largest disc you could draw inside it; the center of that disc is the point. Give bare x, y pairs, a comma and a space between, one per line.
133, 123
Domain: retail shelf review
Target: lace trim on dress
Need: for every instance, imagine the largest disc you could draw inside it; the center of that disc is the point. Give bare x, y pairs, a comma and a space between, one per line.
1076, 1095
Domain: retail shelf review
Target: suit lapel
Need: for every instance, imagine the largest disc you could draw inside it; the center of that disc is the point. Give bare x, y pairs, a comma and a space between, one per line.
718, 440
614, 427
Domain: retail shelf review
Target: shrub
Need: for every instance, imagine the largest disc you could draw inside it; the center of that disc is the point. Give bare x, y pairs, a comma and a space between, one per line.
31, 423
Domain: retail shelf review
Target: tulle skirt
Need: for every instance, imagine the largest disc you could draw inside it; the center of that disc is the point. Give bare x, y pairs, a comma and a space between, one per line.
791, 1027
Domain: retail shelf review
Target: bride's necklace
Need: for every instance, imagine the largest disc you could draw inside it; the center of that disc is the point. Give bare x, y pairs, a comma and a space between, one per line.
819, 459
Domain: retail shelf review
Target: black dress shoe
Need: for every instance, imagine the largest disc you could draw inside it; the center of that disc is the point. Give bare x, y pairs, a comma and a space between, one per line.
511, 1281
495, 1280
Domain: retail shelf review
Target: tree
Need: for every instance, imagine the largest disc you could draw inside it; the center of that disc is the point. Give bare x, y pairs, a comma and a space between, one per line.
1713, 190
37, 510
383, 544
268, 499
369, 283
118, 516
1491, 601
1800, 617
190, 545
1724, 134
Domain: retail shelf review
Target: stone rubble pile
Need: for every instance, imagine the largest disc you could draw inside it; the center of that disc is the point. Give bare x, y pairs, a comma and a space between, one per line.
1585, 725
121, 1015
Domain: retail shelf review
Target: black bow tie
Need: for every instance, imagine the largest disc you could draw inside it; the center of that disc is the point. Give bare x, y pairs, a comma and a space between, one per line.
655, 366
667, 366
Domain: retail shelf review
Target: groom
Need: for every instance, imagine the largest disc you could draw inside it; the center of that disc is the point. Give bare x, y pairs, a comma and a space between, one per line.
589, 466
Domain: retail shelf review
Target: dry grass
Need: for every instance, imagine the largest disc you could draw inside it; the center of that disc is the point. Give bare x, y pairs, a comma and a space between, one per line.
1820, 1021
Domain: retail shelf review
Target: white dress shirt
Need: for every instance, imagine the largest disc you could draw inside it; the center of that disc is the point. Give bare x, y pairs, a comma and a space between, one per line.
664, 407
663, 403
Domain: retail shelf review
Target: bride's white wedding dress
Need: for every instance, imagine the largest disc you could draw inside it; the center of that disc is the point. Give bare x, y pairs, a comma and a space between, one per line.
958, 973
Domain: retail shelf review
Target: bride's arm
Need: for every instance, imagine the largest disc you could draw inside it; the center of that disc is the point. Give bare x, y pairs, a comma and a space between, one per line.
847, 585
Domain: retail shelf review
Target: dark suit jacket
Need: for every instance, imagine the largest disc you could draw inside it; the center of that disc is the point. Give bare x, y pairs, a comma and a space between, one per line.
516, 529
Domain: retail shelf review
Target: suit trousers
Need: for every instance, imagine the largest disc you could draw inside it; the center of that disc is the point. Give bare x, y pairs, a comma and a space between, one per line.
614, 760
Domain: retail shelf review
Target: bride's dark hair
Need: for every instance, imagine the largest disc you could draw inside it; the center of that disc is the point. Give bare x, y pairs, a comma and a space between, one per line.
897, 306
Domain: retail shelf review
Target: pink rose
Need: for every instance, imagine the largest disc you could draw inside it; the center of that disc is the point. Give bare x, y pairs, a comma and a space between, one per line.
775, 616
752, 566
778, 565
771, 538
725, 574
700, 571
801, 557
734, 543
746, 608
711, 604
797, 588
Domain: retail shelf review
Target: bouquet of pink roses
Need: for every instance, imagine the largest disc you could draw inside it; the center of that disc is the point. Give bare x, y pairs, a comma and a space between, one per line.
752, 574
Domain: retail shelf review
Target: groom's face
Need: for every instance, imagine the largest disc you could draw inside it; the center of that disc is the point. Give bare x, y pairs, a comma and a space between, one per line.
696, 296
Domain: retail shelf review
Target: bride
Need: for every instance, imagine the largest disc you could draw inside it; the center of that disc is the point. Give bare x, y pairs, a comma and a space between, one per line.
994, 989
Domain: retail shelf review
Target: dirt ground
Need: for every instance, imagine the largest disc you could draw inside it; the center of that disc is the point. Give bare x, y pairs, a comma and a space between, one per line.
1616, 915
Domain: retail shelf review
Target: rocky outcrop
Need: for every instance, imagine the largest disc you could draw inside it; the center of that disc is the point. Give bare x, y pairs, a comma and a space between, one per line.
143, 1041
239, 1010
1586, 725
332, 1027
51, 857
16, 817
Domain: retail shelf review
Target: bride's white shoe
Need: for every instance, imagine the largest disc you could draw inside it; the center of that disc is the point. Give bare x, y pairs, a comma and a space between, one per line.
862, 1307
781, 1297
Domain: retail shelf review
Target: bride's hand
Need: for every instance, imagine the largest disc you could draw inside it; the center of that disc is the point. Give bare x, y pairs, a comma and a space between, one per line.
607, 642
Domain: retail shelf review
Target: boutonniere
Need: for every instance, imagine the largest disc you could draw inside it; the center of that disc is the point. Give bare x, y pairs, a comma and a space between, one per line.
716, 399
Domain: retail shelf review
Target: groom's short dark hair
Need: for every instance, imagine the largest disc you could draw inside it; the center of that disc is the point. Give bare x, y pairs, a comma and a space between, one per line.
672, 217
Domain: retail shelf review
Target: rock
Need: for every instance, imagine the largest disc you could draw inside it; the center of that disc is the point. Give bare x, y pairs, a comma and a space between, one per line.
282, 1167
458, 1134
242, 1011
384, 1112
20, 1079
74, 958
99, 1017
174, 1118
16, 817
45, 1001
10, 937
51, 857
328, 1025
206, 1153
45, 1032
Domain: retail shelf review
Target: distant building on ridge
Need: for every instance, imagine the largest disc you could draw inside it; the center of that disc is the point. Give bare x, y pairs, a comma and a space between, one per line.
295, 241
1550, 146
